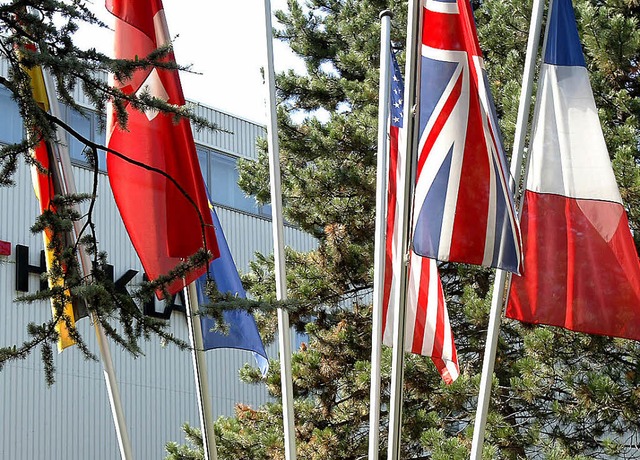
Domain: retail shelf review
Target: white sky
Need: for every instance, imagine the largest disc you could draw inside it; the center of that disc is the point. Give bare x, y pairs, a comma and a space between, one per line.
224, 40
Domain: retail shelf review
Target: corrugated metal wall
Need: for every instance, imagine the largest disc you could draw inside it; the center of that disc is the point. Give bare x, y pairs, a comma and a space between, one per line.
157, 389
237, 137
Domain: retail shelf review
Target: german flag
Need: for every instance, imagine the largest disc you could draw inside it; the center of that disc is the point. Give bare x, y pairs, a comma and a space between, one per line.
44, 187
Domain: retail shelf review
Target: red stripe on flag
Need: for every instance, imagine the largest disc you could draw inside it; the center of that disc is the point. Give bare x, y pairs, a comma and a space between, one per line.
468, 26
420, 320
581, 268
438, 343
474, 191
392, 204
442, 31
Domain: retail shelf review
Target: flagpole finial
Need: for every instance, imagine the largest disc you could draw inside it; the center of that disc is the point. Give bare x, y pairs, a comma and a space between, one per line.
386, 13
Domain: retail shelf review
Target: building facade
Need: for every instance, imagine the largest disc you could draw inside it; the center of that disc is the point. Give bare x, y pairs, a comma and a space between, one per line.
72, 419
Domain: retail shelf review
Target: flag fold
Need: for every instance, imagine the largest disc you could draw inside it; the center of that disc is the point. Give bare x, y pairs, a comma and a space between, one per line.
243, 332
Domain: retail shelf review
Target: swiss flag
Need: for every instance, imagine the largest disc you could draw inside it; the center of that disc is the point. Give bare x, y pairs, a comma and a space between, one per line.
167, 221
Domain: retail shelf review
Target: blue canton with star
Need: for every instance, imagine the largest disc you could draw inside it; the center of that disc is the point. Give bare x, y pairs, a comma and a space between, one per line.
397, 93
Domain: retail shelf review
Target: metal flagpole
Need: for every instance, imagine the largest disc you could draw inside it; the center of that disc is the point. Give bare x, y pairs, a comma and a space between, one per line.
380, 253
497, 299
64, 172
278, 245
200, 373
400, 260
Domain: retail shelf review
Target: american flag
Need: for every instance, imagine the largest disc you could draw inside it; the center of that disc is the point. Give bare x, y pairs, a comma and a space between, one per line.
427, 329
464, 210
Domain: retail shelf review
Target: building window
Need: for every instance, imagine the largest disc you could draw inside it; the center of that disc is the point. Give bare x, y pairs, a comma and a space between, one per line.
87, 124
221, 176
11, 129
219, 170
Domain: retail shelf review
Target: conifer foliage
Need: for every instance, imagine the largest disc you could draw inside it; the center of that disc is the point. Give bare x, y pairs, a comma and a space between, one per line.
40, 33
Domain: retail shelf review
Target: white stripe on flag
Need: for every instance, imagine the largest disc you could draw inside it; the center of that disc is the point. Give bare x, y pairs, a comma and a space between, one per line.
568, 113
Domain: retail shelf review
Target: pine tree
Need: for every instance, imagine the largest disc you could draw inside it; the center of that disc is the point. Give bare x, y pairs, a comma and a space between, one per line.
556, 394
39, 33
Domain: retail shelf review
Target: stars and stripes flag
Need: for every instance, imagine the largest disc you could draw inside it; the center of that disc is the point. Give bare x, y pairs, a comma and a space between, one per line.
464, 210
427, 328
581, 268
164, 225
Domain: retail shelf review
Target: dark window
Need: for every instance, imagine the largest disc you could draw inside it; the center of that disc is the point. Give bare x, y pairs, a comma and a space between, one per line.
11, 130
221, 176
88, 125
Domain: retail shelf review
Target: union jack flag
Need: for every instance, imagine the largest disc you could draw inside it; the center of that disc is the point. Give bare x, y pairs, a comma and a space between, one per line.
427, 328
463, 209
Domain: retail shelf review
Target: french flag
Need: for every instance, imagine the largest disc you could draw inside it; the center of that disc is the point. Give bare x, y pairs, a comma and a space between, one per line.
581, 268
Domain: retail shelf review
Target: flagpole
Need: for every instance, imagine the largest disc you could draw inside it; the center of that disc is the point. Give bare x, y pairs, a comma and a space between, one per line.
380, 247
400, 260
278, 246
63, 171
200, 372
497, 299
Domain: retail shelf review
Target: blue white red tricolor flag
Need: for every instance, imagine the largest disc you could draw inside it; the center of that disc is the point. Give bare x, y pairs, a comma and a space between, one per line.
427, 328
243, 332
464, 210
581, 268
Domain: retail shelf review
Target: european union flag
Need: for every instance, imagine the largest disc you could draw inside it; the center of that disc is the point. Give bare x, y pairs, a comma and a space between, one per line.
243, 331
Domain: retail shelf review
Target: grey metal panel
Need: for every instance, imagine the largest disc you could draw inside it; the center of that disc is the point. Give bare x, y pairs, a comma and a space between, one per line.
237, 137
4, 68
38, 413
157, 389
248, 234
